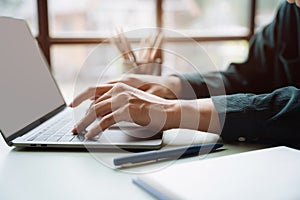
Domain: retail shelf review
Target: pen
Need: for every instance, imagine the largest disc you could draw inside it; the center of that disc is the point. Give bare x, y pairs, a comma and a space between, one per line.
167, 154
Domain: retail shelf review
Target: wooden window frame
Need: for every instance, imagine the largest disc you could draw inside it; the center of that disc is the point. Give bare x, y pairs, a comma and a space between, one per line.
46, 41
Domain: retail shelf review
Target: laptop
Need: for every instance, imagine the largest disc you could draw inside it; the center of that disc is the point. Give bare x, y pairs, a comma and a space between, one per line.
33, 112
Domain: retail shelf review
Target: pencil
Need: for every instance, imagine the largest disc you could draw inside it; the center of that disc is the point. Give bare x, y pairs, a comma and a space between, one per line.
119, 47
126, 45
156, 46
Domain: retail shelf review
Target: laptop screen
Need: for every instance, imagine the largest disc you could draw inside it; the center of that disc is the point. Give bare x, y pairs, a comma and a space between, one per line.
27, 89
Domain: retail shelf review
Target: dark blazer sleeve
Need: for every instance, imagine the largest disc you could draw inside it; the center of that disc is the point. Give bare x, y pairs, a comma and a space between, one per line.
273, 116
265, 68
262, 100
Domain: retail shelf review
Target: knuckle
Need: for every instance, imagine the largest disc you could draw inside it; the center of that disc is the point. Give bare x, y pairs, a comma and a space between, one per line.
122, 96
130, 107
93, 107
92, 111
124, 112
97, 128
120, 85
106, 120
132, 102
130, 78
127, 107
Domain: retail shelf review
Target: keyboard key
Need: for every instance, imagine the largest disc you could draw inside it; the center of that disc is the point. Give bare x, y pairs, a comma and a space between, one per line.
41, 138
69, 133
59, 133
77, 138
56, 130
53, 138
67, 138
33, 137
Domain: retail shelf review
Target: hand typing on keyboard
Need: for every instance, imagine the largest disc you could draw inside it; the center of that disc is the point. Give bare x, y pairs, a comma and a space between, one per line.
120, 102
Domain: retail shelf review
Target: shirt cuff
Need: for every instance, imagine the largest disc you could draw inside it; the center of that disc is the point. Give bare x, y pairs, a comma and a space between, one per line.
237, 117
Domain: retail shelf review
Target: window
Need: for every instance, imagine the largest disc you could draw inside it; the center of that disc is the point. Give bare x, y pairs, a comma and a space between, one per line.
98, 18
69, 30
208, 18
24, 9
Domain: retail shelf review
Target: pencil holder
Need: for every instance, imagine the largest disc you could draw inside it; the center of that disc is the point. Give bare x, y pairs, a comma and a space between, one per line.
149, 68
146, 60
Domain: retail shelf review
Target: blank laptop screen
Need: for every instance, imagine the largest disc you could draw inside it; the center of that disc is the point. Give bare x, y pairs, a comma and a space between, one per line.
27, 90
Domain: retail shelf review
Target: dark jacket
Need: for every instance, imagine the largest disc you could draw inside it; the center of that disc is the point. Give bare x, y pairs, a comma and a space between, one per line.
262, 98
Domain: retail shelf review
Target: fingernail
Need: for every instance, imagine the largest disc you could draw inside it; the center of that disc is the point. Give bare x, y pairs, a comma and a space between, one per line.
74, 130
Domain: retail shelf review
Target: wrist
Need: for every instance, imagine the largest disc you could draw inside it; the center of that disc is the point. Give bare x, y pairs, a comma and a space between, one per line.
197, 114
183, 114
209, 116
173, 115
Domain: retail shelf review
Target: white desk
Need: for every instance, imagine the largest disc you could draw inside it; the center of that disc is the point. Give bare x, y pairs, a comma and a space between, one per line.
74, 175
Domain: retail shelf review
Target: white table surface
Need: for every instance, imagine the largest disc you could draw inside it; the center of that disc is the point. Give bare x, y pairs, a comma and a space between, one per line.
63, 174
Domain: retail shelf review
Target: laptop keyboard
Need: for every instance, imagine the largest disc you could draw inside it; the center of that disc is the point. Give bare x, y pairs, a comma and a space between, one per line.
57, 131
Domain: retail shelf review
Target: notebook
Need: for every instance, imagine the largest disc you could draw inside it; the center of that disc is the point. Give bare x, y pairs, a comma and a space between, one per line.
267, 174
33, 112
